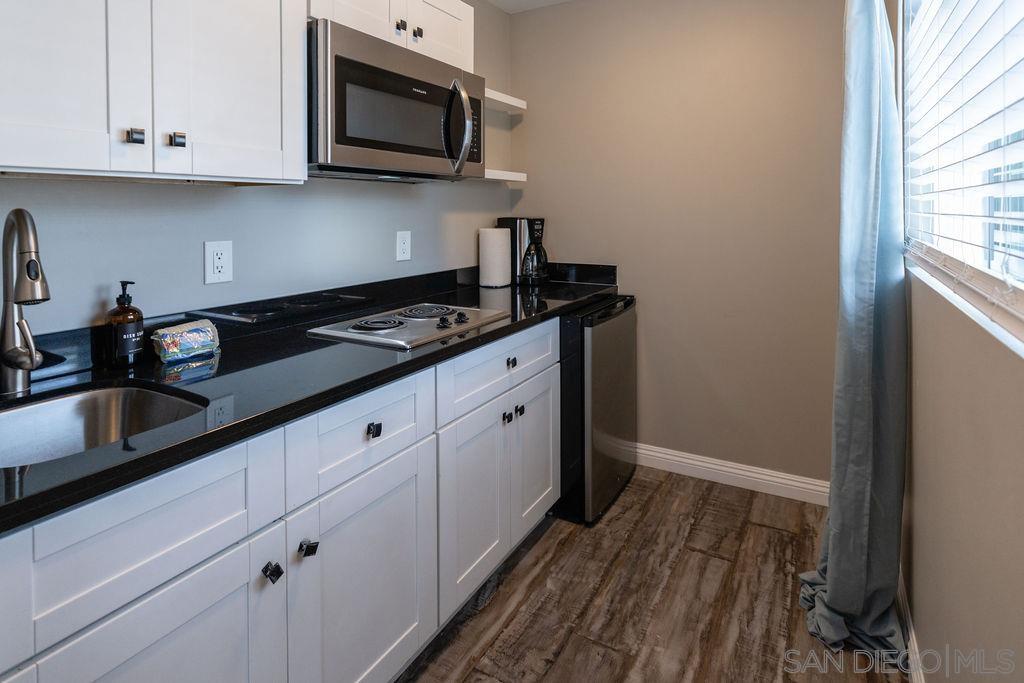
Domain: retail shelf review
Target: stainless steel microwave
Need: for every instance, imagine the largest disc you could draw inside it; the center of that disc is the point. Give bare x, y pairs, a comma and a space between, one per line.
381, 111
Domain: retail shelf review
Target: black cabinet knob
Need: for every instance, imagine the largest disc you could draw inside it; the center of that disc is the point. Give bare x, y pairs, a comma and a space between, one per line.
520, 410
417, 32
374, 429
135, 136
273, 571
401, 25
514, 361
508, 363
176, 139
308, 548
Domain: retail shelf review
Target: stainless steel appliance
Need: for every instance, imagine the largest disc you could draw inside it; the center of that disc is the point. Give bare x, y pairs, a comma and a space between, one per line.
598, 368
286, 307
407, 328
381, 111
529, 258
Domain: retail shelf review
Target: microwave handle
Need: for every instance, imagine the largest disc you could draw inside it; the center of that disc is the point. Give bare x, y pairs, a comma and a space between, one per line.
467, 139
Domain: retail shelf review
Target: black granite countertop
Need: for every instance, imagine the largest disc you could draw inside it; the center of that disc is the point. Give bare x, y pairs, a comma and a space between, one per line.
265, 376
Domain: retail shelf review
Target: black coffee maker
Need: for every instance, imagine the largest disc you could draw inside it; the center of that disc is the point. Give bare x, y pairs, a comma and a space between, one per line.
529, 259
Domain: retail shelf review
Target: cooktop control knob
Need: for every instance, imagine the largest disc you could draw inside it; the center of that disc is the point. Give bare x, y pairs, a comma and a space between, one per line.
461, 317
444, 323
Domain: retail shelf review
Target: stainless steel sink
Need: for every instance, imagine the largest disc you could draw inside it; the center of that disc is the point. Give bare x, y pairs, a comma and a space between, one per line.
72, 423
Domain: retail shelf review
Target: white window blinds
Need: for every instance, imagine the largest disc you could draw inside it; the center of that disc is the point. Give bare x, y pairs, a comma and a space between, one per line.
963, 108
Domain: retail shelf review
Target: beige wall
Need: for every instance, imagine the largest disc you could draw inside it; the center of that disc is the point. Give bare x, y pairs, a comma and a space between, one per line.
696, 144
964, 552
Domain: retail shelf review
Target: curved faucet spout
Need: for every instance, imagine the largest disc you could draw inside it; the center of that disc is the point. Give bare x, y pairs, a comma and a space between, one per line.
24, 284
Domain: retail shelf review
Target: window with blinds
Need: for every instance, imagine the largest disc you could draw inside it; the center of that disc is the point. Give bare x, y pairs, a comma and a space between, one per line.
963, 111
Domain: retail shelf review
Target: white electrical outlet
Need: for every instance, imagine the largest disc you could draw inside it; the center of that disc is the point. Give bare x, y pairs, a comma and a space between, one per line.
217, 262
403, 245
220, 411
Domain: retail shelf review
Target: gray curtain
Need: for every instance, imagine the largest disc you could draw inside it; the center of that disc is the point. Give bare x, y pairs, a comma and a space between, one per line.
850, 598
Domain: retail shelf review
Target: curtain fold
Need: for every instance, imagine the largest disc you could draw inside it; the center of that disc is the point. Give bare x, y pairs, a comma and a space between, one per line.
850, 597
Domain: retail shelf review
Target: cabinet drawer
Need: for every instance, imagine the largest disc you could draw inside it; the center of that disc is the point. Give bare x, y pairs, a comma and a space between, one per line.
222, 621
472, 379
329, 448
93, 560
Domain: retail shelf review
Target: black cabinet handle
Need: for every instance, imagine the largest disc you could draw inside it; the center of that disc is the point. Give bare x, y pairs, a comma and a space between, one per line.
401, 25
307, 548
273, 571
508, 362
520, 410
417, 32
176, 139
135, 136
374, 429
506, 418
514, 361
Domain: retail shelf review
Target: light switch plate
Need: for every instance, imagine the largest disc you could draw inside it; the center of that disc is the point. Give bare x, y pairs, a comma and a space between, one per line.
217, 262
403, 245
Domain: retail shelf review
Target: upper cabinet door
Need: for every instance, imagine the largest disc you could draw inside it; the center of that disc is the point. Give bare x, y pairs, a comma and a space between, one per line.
379, 18
442, 29
130, 79
228, 82
53, 76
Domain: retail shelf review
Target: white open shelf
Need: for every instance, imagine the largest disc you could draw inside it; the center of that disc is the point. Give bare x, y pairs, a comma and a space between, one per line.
499, 101
506, 176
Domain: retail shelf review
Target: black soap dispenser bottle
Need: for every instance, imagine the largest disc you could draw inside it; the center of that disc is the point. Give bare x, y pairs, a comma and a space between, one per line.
126, 333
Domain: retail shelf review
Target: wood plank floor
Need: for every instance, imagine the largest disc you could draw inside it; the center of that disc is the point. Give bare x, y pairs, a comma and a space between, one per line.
682, 580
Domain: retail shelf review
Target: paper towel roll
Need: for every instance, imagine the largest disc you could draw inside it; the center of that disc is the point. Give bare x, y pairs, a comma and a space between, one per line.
495, 257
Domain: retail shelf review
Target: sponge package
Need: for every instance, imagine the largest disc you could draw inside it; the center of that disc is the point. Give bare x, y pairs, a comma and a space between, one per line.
187, 340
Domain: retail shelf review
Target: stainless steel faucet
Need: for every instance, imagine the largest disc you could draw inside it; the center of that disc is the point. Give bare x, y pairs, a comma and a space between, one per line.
24, 284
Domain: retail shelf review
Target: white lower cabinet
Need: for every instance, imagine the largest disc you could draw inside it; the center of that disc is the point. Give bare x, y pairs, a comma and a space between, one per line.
498, 475
473, 501
222, 621
363, 599
536, 447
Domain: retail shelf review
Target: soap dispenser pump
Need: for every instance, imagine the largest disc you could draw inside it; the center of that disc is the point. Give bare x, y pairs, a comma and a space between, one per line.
126, 332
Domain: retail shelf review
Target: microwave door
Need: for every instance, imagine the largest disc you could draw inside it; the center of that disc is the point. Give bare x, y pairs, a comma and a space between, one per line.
389, 121
458, 127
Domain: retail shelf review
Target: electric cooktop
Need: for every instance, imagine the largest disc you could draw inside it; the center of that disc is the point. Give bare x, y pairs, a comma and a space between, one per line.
407, 328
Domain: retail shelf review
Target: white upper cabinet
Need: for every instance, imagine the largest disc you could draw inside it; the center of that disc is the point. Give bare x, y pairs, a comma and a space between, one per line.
379, 18
218, 78
213, 89
441, 29
53, 76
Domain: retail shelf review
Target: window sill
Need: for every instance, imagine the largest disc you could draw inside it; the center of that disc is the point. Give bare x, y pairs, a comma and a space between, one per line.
1000, 333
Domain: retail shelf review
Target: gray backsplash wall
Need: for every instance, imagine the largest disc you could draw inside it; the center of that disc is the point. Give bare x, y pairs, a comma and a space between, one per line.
287, 239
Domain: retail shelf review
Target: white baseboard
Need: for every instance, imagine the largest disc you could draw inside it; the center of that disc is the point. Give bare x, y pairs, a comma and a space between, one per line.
734, 474
913, 649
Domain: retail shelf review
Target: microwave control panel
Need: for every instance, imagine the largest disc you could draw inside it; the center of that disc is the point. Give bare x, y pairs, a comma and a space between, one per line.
475, 145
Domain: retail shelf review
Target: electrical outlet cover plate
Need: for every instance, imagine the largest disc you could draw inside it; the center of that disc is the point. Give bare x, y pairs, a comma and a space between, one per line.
220, 411
403, 245
217, 262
